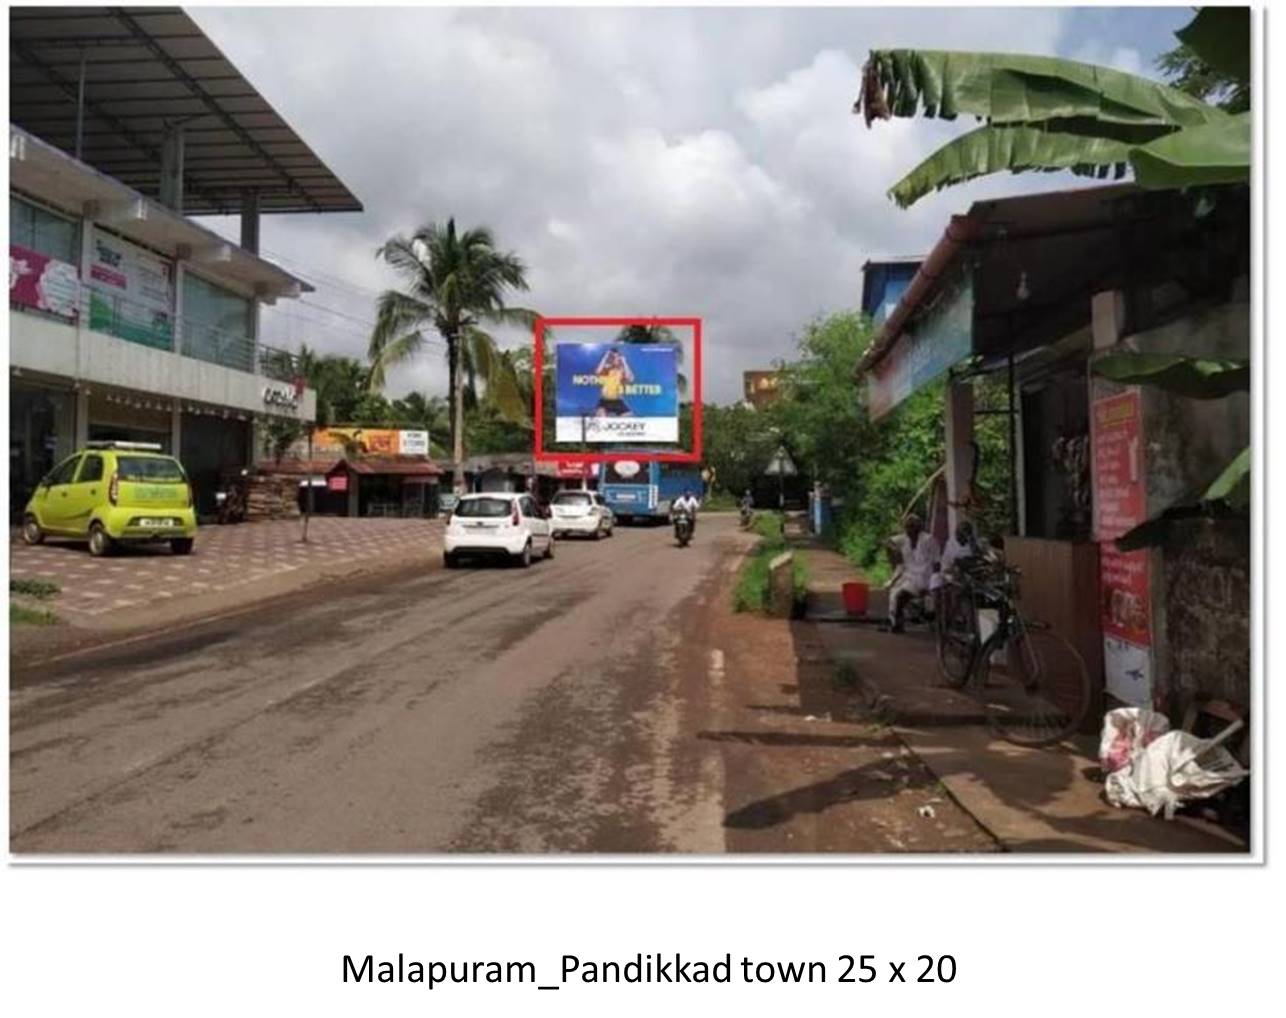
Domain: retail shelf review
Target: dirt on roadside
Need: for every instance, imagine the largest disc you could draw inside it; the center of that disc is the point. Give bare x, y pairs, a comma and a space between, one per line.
806, 768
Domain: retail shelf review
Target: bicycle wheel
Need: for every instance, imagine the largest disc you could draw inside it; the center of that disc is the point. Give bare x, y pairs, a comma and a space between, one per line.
957, 638
1034, 686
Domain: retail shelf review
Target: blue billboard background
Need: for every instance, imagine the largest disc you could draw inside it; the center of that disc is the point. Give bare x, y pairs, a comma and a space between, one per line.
616, 392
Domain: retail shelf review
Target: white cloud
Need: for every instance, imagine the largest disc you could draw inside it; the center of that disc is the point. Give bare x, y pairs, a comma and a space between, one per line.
663, 161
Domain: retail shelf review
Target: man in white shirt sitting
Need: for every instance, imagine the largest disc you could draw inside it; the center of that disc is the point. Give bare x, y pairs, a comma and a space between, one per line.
918, 555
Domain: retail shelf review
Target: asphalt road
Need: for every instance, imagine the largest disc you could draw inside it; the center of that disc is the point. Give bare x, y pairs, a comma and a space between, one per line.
484, 710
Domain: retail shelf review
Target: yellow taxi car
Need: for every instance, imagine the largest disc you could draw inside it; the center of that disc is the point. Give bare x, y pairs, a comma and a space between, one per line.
114, 492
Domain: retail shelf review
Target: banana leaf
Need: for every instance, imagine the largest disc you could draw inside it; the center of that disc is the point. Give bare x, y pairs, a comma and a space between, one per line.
1233, 485
992, 148
1019, 89
1193, 377
1220, 36
1208, 154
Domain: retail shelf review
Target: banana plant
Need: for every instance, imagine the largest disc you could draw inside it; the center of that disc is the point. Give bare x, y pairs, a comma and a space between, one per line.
1045, 113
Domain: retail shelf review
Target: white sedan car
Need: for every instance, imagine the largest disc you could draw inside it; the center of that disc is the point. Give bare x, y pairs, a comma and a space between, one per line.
581, 512
500, 524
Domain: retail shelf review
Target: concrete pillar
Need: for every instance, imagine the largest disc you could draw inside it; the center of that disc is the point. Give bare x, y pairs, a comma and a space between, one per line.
180, 270
959, 450
1107, 315
176, 427
82, 417
250, 221
171, 194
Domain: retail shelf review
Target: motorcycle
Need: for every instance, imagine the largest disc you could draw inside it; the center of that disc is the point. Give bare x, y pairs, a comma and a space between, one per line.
683, 523
747, 516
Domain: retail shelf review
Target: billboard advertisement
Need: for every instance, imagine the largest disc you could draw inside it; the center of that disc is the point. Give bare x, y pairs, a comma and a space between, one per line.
37, 281
371, 441
131, 292
616, 392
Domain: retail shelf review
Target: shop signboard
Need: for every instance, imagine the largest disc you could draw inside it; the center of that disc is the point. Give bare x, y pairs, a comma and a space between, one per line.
413, 443
372, 441
575, 469
131, 292
927, 351
337, 482
38, 281
1120, 503
617, 392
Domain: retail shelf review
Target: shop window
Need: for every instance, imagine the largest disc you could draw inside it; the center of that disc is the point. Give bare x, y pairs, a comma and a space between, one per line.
44, 232
216, 324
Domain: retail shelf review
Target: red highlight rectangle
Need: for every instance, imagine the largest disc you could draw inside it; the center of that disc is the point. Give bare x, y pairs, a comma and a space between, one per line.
538, 361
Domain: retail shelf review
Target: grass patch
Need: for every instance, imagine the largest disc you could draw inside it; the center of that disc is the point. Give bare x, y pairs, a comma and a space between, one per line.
21, 615
751, 593
40, 589
721, 501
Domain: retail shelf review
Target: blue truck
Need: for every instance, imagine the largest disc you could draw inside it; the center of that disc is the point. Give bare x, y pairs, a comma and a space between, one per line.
643, 490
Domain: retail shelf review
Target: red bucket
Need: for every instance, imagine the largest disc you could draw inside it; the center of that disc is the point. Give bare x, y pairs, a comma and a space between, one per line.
855, 598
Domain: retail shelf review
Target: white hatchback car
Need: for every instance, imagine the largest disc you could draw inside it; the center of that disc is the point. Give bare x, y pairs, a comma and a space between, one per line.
497, 524
581, 512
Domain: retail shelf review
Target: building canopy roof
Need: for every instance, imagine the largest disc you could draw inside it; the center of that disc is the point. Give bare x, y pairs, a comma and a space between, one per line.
1034, 262
146, 68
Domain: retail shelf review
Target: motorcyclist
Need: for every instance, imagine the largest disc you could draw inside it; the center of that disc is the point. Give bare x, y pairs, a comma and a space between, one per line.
747, 507
686, 503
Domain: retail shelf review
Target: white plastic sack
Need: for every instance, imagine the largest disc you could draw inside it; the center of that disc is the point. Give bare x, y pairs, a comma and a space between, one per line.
1126, 731
1175, 768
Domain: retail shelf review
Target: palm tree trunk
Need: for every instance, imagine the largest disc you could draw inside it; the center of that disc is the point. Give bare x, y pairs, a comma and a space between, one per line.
457, 413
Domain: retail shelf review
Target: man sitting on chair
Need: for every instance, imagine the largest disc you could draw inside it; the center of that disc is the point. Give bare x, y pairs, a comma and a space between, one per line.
917, 554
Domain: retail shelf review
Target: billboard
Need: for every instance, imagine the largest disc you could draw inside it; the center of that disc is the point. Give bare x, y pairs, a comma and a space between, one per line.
37, 281
131, 292
371, 441
616, 392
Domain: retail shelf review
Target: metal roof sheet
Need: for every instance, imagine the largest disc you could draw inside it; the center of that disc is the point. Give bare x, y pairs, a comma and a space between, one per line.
146, 67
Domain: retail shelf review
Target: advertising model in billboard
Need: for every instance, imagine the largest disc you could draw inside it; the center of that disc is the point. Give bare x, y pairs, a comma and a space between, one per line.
616, 392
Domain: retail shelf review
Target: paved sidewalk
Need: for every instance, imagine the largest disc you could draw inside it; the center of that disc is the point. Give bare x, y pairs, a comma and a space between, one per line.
227, 559
1030, 800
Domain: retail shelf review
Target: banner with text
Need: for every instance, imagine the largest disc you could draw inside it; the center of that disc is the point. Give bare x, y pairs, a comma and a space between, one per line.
1120, 503
616, 392
371, 441
38, 281
131, 292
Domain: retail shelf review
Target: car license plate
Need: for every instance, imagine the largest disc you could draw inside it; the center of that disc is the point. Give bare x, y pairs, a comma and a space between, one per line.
164, 522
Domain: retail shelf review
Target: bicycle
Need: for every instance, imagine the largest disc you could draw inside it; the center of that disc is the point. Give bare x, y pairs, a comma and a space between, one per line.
1032, 683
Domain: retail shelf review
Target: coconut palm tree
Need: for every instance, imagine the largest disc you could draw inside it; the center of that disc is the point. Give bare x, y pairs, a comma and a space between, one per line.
454, 283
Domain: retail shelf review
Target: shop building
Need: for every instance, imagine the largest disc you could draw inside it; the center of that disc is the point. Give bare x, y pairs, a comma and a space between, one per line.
129, 319
1031, 292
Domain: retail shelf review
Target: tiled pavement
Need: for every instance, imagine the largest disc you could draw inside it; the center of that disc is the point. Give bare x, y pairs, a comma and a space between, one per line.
225, 557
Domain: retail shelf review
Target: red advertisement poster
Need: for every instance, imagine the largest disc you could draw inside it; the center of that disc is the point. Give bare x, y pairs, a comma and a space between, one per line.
1123, 585
37, 281
1119, 497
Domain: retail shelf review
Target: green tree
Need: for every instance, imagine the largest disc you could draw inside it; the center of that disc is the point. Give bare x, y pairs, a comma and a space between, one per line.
454, 283
738, 442
1046, 114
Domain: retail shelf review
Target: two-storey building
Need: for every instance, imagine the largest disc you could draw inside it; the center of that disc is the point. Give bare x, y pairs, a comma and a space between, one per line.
128, 318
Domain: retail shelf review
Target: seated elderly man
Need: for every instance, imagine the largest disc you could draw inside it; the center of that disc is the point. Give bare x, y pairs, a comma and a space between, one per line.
918, 555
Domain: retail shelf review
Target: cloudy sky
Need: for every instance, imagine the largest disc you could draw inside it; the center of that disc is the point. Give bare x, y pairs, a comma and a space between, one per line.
651, 162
